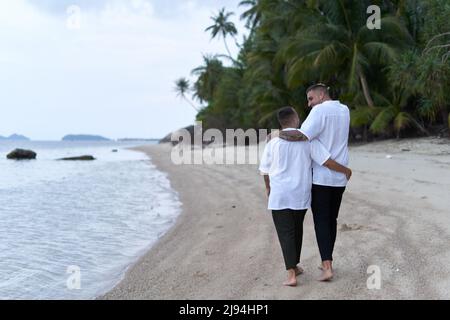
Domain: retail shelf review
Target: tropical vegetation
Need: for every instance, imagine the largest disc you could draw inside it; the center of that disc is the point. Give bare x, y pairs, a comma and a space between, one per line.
396, 79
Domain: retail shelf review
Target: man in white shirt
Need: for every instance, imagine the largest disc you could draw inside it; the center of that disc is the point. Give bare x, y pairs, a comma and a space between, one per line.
329, 123
286, 167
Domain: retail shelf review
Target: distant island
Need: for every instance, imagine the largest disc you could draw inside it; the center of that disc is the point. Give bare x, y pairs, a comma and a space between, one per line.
15, 137
84, 137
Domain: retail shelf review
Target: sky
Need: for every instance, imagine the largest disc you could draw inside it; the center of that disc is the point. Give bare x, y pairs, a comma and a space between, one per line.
104, 67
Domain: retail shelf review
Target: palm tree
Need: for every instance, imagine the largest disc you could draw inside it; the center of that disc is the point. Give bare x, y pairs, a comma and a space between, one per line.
253, 14
182, 87
209, 75
222, 27
340, 45
394, 113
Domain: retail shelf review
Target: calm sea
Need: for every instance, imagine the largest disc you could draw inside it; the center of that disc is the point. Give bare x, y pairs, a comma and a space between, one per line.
70, 230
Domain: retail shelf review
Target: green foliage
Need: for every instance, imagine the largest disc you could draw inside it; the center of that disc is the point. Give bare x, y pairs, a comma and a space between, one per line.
392, 79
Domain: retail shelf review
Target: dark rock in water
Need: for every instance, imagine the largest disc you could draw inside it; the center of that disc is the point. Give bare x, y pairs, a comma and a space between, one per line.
115, 150
82, 158
20, 154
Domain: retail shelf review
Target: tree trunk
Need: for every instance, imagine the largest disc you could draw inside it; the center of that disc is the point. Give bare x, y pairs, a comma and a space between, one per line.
365, 136
226, 47
192, 105
365, 88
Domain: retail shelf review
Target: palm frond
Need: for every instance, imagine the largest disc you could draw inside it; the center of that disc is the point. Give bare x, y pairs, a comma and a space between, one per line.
363, 115
383, 120
380, 53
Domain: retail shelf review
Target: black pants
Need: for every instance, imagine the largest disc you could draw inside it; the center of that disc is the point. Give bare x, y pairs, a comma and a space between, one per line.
289, 226
325, 205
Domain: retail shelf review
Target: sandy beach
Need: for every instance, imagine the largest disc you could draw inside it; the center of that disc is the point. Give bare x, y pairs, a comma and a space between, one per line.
395, 215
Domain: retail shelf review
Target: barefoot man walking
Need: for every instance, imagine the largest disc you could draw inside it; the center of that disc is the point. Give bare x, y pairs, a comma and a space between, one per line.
286, 167
328, 122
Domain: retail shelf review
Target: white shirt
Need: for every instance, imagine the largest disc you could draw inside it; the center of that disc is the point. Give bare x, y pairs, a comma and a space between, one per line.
329, 123
289, 165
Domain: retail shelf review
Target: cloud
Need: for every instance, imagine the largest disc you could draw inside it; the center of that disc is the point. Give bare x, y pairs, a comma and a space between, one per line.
113, 75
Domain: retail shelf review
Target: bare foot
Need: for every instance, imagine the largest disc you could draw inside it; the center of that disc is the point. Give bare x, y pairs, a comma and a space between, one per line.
292, 280
299, 271
290, 283
327, 275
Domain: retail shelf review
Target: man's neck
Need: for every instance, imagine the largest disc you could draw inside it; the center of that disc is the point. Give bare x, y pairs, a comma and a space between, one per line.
323, 101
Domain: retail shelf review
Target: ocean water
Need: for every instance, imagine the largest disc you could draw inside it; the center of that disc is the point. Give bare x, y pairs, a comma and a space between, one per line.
70, 230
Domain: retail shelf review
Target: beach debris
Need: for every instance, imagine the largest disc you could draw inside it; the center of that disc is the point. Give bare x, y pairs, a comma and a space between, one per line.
350, 227
406, 150
81, 158
234, 207
21, 154
200, 274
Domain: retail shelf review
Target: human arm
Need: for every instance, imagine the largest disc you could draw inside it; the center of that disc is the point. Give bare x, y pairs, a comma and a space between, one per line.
333, 165
312, 127
265, 165
267, 183
314, 124
321, 156
293, 135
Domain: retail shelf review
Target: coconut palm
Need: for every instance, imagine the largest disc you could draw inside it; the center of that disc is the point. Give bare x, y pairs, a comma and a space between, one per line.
182, 87
251, 15
222, 27
394, 114
393, 79
342, 43
208, 77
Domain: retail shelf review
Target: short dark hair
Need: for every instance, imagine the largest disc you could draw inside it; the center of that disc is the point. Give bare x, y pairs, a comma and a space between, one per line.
285, 115
319, 86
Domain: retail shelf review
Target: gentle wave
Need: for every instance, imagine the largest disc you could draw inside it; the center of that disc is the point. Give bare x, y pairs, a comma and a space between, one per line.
98, 216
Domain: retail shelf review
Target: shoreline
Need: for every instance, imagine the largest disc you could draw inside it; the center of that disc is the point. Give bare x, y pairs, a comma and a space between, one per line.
223, 244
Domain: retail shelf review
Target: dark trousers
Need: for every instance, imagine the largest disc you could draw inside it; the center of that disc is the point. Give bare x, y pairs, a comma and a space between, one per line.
289, 226
325, 205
